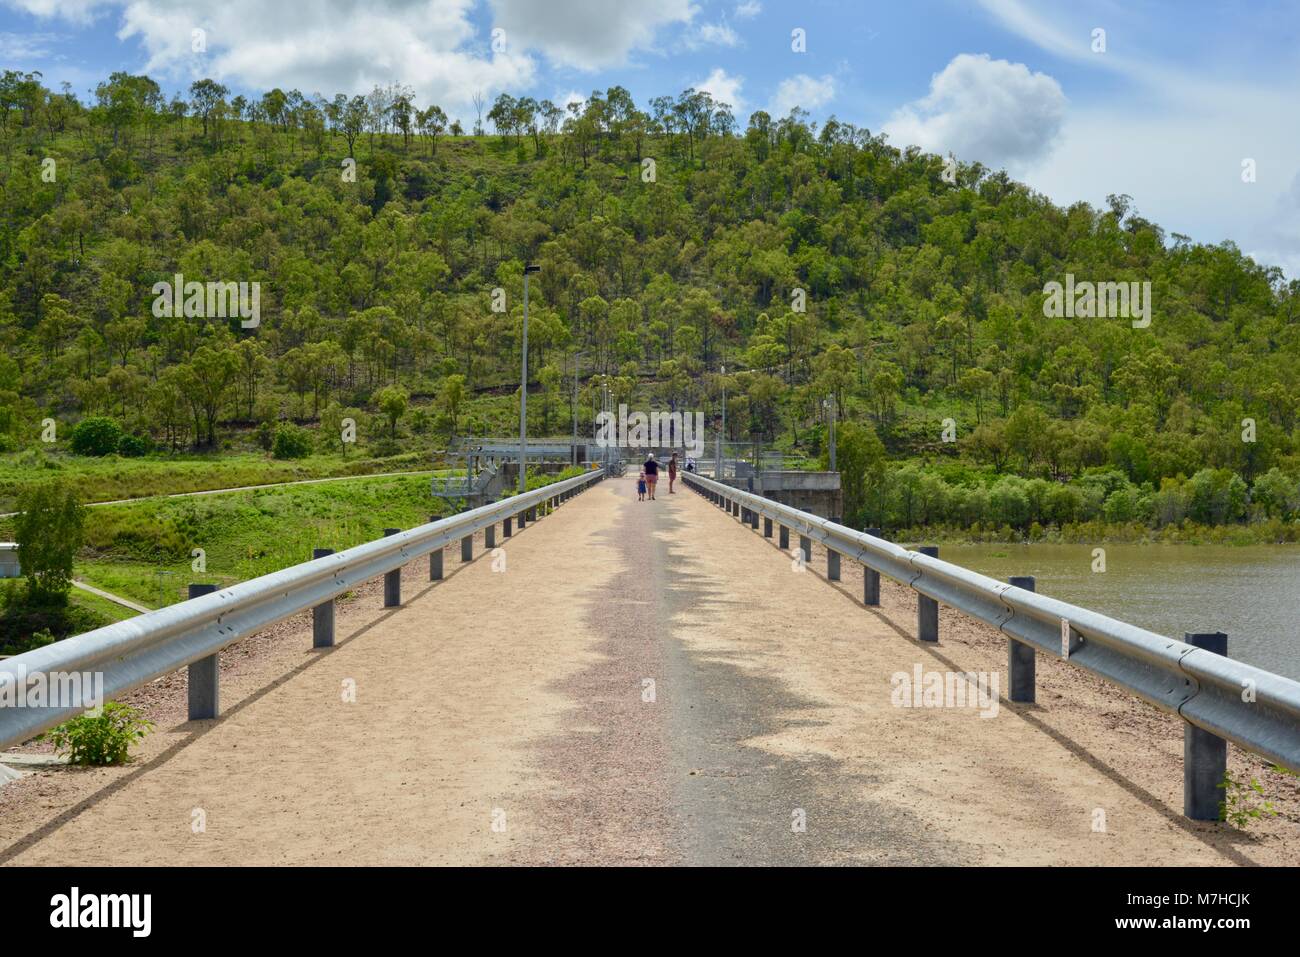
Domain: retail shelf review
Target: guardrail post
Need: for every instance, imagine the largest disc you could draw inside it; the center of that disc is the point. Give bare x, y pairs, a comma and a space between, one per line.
927, 609
505, 526
523, 519
490, 536
322, 615
467, 548
1021, 658
1205, 755
783, 539
767, 527
204, 676
805, 546
832, 565
532, 514
435, 559
753, 519
392, 580
871, 578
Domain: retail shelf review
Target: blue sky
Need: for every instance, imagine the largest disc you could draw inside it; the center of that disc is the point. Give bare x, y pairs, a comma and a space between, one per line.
1182, 95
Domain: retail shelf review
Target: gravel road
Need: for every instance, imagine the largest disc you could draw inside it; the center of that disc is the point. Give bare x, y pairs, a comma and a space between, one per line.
631, 683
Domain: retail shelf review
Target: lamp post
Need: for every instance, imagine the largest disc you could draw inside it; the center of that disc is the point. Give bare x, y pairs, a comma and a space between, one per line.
720, 472
574, 404
831, 416
523, 390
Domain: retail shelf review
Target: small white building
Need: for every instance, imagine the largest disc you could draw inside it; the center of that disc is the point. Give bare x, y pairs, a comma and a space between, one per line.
9, 560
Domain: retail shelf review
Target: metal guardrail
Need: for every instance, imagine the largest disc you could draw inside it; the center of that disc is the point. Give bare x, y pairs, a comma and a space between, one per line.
132, 652
1253, 708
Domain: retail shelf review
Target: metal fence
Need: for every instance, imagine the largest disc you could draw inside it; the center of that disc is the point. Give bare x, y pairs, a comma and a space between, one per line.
1218, 698
129, 653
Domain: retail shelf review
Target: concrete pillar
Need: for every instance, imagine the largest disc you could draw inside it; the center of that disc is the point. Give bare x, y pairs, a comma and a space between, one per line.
467, 548
392, 580
490, 536
767, 527
927, 609
322, 616
871, 578
832, 565
505, 527
783, 539
204, 676
1205, 755
1021, 658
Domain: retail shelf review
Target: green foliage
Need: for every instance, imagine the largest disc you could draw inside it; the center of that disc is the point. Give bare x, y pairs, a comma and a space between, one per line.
133, 446
811, 262
101, 739
291, 442
96, 435
49, 532
1244, 801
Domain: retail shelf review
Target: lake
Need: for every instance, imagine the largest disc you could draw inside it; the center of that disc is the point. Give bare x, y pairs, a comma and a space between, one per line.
1252, 592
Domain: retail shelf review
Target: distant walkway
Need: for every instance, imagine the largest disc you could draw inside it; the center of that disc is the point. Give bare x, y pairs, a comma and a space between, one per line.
109, 596
246, 488
628, 682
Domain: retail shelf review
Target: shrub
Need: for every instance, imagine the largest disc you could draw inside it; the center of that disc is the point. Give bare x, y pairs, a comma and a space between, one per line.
103, 738
96, 435
265, 435
49, 529
291, 442
133, 446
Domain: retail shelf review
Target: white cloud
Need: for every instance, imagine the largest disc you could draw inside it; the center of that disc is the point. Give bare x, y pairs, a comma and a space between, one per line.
712, 34
325, 46
18, 48
748, 9
562, 100
993, 111
588, 34
74, 11
724, 89
802, 90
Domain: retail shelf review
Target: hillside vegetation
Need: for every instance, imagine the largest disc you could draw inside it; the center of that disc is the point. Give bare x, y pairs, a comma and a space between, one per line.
816, 264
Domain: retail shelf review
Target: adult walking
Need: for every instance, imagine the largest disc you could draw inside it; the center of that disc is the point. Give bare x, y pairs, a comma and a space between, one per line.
651, 475
672, 472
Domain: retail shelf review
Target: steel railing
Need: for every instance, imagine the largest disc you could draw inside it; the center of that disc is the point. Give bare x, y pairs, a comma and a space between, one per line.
132, 652
1253, 708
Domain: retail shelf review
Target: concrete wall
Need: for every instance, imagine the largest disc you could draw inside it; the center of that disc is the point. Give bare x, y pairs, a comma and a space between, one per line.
815, 492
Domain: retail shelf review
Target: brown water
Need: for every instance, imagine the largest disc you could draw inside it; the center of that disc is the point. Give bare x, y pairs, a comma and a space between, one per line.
1252, 593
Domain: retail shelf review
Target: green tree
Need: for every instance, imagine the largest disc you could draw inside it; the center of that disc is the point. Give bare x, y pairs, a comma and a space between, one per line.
392, 402
49, 529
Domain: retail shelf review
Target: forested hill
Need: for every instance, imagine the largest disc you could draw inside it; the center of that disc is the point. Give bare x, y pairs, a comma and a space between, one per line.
673, 241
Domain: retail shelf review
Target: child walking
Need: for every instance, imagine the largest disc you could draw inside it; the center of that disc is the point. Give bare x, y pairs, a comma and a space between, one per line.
640, 486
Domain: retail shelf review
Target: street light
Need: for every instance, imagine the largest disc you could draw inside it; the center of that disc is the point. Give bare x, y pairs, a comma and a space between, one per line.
829, 406
523, 389
574, 404
719, 472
